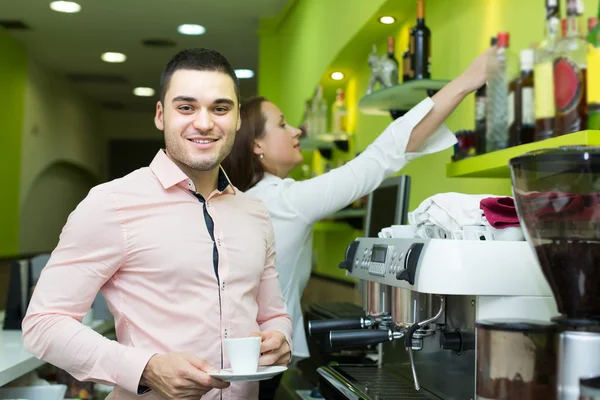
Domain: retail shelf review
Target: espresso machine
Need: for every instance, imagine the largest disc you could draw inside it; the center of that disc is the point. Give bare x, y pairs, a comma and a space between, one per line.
421, 300
557, 195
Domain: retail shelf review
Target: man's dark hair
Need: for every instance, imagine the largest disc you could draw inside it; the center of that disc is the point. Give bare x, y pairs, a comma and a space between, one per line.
198, 59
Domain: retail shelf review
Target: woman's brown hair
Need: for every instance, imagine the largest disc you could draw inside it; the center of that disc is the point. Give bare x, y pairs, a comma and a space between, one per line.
242, 166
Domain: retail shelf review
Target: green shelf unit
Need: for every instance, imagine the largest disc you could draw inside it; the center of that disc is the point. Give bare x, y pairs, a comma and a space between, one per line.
325, 141
495, 164
401, 97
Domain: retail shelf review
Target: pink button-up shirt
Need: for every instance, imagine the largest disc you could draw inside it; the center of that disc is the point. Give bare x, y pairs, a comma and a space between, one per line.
143, 241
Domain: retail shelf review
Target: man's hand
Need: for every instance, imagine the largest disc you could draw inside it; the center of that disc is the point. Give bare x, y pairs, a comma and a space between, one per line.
274, 348
180, 376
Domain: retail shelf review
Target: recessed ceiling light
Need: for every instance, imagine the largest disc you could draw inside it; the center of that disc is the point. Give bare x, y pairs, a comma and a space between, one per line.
244, 73
143, 91
113, 57
337, 76
65, 6
386, 19
191, 29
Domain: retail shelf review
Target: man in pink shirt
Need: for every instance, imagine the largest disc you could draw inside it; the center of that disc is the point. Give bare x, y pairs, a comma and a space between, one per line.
182, 257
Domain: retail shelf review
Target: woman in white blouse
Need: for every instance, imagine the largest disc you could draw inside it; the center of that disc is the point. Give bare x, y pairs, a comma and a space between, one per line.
266, 149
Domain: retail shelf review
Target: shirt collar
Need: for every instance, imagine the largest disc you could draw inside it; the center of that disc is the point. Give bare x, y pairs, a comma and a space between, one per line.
169, 174
268, 178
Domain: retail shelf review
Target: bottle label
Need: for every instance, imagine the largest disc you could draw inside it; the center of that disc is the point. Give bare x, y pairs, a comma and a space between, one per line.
568, 85
593, 75
544, 91
511, 108
527, 106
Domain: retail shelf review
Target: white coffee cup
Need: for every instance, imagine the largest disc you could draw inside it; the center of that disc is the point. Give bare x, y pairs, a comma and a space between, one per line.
243, 354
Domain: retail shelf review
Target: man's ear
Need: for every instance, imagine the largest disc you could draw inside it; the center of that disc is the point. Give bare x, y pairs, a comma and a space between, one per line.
158, 118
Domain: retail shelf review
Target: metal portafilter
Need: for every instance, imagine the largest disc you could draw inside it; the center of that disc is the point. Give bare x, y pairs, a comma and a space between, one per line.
352, 338
325, 326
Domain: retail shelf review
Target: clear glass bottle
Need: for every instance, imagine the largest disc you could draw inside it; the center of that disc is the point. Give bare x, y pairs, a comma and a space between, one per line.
543, 70
501, 69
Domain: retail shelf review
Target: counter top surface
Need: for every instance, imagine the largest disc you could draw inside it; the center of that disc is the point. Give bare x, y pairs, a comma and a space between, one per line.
16, 362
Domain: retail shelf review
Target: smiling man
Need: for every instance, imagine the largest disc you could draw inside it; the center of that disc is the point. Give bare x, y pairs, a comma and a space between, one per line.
182, 257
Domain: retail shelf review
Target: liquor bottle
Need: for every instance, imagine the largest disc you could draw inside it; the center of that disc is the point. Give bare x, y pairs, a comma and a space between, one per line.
318, 113
570, 76
306, 120
420, 45
407, 71
500, 70
545, 110
593, 22
522, 128
480, 113
593, 73
391, 65
339, 113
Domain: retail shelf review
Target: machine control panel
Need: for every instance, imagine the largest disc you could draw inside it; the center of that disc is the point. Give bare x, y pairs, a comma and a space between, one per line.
388, 259
383, 259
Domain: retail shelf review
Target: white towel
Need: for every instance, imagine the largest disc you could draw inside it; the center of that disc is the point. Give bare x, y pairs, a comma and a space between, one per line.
449, 211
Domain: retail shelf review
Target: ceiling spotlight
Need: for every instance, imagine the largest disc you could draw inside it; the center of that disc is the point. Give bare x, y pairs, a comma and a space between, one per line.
337, 76
191, 29
65, 6
113, 57
386, 19
244, 73
143, 91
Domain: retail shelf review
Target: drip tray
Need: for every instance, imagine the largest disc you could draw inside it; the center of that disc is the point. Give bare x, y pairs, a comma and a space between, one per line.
370, 383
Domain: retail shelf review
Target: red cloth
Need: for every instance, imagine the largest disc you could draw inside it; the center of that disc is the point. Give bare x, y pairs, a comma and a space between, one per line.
500, 212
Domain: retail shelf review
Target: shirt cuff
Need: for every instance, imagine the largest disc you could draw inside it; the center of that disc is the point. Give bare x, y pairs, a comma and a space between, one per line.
441, 139
274, 326
131, 367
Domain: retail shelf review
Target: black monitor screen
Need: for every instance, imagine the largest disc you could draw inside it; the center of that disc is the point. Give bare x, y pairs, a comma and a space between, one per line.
384, 202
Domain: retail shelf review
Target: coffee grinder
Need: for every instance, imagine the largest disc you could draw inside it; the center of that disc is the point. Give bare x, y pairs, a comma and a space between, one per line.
557, 195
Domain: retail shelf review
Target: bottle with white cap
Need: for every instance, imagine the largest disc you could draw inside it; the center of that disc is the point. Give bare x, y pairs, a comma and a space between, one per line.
522, 118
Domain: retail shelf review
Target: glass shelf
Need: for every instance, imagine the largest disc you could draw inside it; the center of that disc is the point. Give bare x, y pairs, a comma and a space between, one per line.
495, 164
325, 141
402, 97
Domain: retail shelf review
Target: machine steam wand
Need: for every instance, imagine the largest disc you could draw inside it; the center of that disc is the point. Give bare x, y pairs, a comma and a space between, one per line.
408, 339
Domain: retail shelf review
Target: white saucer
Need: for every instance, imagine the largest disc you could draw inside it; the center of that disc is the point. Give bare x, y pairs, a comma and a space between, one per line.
260, 375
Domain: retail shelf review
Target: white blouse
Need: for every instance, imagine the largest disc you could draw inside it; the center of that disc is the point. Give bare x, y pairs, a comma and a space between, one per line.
295, 206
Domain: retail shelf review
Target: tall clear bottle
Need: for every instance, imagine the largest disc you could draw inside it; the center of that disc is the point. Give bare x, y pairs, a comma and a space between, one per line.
593, 73
480, 113
545, 110
319, 113
339, 113
501, 69
570, 75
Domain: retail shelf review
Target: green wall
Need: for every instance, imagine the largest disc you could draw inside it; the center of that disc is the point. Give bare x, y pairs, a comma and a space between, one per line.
13, 77
316, 37
297, 47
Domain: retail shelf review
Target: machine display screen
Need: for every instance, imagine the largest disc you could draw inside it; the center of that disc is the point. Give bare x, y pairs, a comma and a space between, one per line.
379, 254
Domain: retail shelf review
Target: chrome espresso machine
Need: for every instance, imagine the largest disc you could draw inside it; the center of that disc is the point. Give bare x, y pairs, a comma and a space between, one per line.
502, 320
421, 298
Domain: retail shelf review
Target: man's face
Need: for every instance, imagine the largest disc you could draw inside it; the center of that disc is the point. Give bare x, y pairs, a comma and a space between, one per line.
199, 117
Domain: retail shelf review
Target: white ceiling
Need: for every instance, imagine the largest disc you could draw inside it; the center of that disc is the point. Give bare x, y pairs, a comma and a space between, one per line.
72, 43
